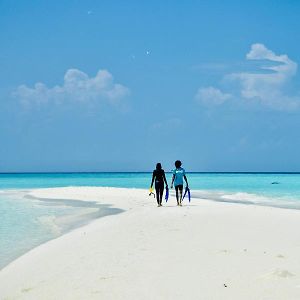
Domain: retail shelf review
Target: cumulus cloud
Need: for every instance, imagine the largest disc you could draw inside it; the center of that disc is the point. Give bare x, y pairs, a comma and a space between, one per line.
77, 87
267, 85
211, 96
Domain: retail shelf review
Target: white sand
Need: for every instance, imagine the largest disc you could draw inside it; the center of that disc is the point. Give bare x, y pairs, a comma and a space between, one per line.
205, 250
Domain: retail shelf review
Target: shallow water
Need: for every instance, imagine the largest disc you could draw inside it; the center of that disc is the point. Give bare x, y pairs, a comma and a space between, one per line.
28, 222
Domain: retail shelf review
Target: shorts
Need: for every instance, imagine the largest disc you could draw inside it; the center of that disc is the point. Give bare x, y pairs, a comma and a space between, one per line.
179, 187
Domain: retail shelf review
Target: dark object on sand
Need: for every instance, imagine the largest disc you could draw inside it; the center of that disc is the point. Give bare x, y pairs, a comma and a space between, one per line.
187, 191
152, 194
167, 194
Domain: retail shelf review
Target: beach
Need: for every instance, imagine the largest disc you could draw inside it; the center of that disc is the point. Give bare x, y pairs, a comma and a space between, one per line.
203, 250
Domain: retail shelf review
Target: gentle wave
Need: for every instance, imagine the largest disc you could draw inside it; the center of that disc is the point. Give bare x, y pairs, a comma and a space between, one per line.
247, 198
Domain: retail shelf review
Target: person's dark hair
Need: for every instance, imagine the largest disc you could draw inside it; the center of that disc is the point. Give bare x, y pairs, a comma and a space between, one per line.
158, 166
177, 163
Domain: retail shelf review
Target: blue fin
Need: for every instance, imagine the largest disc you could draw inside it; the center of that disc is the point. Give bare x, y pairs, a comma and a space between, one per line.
187, 191
167, 194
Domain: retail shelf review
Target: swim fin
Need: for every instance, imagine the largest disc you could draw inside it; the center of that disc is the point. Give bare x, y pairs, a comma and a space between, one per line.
189, 194
187, 191
167, 194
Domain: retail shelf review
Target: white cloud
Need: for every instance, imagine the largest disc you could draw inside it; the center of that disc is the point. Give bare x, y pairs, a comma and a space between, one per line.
267, 85
211, 96
77, 87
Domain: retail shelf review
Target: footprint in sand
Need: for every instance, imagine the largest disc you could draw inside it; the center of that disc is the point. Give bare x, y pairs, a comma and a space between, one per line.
283, 273
26, 290
225, 251
96, 292
105, 277
279, 273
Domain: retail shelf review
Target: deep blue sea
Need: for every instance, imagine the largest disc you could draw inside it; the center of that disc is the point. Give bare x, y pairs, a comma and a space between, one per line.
26, 223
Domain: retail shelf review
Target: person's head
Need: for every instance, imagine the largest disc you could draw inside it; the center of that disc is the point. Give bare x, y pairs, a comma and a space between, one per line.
177, 163
158, 166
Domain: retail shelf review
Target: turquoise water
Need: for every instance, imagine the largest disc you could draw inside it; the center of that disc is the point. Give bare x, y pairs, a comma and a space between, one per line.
256, 183
26, 223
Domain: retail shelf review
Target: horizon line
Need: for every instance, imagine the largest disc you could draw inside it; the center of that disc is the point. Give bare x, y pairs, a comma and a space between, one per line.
139, 172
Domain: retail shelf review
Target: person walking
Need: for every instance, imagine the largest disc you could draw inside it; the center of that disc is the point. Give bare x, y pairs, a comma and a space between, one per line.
177, 180
160, 178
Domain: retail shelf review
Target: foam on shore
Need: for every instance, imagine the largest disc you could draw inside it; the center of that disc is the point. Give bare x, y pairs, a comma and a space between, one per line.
247, 198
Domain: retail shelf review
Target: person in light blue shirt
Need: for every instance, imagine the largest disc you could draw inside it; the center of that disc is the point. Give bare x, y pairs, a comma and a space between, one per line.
177, 180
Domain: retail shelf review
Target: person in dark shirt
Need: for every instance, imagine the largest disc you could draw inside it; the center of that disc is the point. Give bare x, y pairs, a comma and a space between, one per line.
160, 178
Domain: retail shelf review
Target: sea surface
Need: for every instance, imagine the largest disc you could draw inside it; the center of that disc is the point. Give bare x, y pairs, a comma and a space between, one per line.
26, 223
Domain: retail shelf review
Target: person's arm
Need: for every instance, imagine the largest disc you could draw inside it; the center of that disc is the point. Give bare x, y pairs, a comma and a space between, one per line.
187, 185
173, 178
153, 176
165, 179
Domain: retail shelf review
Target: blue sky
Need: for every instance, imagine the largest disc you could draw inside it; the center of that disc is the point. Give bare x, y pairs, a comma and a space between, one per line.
119, 86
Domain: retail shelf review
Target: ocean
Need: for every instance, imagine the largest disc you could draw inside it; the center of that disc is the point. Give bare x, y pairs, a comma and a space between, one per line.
25, 223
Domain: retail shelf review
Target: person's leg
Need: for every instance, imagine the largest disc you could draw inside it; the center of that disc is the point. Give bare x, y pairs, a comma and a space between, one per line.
161, 193
157, 193
180, 191
177, 196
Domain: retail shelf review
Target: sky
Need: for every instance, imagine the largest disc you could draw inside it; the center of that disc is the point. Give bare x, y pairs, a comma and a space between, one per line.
122, 85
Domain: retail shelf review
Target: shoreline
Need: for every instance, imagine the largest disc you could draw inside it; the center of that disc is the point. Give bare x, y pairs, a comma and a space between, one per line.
88, 212
246, 242
98, 210
246, 198
223, 196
